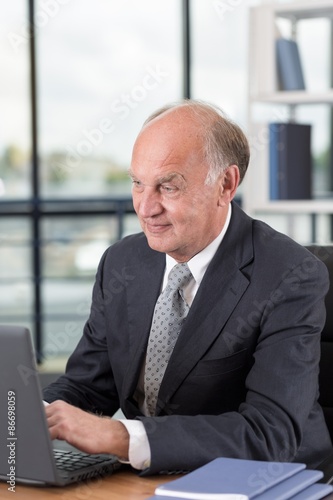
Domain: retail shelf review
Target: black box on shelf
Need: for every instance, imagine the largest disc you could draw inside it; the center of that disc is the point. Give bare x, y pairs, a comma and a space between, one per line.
290, 161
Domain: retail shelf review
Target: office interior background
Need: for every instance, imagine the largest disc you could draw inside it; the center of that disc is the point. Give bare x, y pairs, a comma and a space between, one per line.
78, 79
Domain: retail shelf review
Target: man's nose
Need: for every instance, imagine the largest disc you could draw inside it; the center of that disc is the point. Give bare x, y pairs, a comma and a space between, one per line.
149, 203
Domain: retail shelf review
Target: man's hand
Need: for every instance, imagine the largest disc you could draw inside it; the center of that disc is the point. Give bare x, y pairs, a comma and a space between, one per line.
86, 431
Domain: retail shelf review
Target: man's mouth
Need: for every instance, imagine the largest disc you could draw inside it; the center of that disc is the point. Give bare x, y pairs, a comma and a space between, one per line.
157, 228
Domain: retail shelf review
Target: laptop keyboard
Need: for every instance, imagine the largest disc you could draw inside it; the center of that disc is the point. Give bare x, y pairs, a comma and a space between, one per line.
72, 461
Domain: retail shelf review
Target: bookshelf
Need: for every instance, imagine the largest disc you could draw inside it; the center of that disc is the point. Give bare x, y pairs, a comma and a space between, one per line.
264, 93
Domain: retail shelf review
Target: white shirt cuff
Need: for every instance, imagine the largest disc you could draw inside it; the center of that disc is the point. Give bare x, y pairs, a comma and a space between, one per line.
139, 450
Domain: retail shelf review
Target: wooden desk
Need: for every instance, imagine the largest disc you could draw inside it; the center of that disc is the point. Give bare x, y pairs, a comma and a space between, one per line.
123, 485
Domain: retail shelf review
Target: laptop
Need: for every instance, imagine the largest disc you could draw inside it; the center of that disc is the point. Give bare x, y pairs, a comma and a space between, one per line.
27, 453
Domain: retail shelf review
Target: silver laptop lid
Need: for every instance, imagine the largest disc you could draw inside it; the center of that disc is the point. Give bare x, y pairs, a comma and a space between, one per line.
25, 446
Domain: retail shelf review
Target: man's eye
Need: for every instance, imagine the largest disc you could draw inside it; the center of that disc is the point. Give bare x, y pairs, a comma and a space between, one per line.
136, 184
168, 189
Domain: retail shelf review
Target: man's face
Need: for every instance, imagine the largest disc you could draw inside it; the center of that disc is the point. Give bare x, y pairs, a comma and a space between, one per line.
179, 214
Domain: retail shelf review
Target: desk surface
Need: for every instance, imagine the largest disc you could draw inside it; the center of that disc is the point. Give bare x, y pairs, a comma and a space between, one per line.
119, 486
122, 485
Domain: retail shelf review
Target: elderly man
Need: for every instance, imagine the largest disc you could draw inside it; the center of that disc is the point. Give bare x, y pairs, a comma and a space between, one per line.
205, 328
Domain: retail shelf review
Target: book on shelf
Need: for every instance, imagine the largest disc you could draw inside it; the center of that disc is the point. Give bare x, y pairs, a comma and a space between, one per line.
290, 161
237, 479
289, 66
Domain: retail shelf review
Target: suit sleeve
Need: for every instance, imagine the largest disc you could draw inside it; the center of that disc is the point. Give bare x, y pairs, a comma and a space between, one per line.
281, 387
89, 382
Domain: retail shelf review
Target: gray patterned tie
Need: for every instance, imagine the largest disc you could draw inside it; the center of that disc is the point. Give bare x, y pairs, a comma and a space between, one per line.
169, 315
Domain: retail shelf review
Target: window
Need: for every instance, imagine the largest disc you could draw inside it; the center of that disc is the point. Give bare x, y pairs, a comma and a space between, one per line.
78, 81
15, 146
102, 68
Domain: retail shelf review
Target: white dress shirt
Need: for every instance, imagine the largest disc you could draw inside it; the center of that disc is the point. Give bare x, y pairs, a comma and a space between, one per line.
139, 449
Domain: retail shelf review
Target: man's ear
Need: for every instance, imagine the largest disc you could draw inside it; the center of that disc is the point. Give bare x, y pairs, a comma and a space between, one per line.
229, 182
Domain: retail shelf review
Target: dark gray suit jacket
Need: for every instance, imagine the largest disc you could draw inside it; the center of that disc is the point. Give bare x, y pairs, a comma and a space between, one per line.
243, 378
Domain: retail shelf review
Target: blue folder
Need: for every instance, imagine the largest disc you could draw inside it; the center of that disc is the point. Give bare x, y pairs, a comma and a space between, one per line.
237, 479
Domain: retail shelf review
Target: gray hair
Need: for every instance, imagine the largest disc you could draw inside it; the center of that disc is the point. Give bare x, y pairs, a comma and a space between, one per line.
225, 143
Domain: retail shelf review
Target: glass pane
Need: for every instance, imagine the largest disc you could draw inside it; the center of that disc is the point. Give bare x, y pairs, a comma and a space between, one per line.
16, 301
14, 101
219, 55
14, 230
15, 261
67, 297
113, 63
73, 247
16, 291
61, 337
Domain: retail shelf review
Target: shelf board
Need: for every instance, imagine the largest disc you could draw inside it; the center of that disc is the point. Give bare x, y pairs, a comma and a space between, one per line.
295, 207
296, 97
305, 10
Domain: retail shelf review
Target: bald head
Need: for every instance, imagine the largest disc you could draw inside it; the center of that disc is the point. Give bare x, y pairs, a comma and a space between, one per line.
222, 140
182, 203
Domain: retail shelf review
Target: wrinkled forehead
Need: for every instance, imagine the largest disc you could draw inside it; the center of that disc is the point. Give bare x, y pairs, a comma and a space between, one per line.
175, 132
166, 147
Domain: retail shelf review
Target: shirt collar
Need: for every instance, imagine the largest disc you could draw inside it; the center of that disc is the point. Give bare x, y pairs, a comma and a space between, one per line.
199, 263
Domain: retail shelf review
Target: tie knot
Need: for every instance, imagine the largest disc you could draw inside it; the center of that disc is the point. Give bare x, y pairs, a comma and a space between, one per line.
179, 276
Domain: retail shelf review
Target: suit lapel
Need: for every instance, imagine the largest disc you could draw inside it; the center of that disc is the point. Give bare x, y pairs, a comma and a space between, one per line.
148, 269
220, 291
